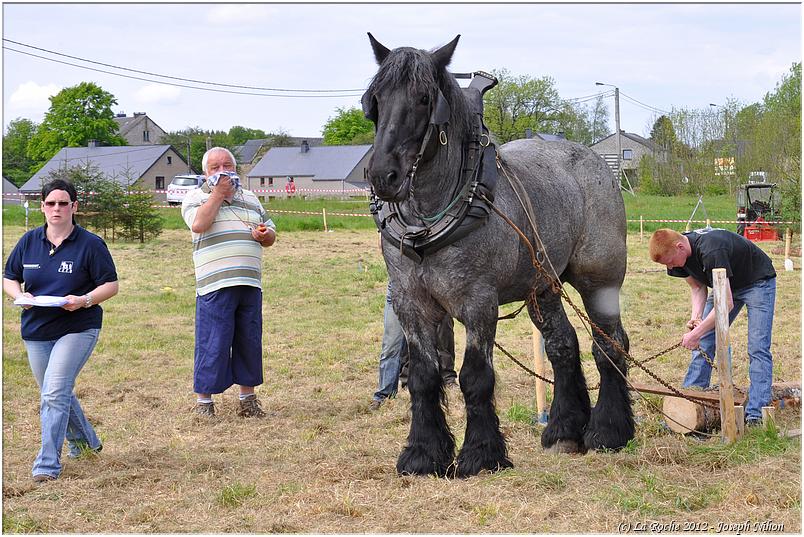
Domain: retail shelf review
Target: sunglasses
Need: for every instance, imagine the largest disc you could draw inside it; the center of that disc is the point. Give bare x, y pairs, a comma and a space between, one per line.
59, 203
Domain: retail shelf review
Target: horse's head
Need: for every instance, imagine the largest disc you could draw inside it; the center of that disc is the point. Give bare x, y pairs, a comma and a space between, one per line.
405, 101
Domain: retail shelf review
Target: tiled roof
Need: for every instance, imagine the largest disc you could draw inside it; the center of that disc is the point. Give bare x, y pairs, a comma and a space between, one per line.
112, 161
331, 162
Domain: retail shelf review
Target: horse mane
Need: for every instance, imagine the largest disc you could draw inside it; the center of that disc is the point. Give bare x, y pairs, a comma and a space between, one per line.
416, 70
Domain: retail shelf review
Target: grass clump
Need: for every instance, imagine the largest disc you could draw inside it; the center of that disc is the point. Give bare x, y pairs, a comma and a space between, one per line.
757, 443
520, 413
235, 494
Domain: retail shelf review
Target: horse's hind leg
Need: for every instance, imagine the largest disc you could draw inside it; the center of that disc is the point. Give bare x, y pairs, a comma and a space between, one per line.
431, 447
611, 425
484, 446
569, 411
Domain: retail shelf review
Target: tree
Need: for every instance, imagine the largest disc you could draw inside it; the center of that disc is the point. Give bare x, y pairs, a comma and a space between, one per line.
77, 114
16, 162
663, 134
348, 127
199, 141
521, 102
239, 135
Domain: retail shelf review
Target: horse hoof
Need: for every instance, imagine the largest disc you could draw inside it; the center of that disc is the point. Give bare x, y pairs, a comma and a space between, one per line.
468, 469
565, 446
416, 461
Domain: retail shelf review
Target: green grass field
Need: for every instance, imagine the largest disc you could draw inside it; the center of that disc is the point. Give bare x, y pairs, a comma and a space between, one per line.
321, 462
284, 212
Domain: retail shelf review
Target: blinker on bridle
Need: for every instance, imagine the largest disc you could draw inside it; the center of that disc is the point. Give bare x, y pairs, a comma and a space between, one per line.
439, 117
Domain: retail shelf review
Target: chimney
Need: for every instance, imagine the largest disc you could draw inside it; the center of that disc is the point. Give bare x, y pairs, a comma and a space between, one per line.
136, 114
120, 114
528, 133
305, 147
92, 143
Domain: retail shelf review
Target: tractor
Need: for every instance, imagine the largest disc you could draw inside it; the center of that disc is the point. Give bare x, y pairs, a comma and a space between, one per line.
758, 206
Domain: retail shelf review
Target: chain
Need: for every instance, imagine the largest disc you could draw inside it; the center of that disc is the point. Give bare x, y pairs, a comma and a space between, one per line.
557, 288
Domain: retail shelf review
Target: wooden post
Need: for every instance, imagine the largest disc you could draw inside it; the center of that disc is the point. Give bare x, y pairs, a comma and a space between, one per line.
727, 421
640, 228
739, 416
324, 213
541, 388
788, 236
768, 415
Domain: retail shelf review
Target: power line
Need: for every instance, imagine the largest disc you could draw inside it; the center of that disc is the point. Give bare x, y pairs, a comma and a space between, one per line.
585, 98
643, 105
214, 90
176, 77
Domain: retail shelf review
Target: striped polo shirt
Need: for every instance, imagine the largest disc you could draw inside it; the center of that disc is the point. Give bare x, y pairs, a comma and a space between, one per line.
226, 255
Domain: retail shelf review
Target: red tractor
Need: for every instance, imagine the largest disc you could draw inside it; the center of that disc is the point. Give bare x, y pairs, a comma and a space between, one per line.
758, 205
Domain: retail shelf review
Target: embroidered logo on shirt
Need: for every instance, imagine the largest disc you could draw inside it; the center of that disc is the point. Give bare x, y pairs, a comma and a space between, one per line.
66, 267
30, 265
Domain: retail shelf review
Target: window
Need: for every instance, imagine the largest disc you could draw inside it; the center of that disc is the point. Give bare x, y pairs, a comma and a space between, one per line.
262, 181
145, 136
628, 154
160, 182
270, 181
170, 160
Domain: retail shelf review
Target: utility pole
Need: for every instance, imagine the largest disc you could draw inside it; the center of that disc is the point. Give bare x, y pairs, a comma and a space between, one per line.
189, 167
619, 138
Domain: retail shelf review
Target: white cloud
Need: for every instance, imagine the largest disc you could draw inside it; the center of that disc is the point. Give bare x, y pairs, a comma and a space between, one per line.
30, 96
157, 94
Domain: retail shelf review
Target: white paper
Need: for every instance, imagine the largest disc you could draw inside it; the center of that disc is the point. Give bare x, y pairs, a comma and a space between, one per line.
44, 301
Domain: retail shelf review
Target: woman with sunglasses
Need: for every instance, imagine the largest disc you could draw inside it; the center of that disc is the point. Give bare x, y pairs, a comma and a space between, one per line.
60, 259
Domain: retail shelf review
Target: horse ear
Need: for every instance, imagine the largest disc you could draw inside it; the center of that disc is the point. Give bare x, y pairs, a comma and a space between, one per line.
380, 51
443, 56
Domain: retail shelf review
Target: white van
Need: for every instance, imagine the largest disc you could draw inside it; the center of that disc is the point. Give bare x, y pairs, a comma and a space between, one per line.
180, 185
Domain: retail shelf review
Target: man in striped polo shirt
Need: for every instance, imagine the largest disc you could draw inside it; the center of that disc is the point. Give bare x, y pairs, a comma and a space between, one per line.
230, 228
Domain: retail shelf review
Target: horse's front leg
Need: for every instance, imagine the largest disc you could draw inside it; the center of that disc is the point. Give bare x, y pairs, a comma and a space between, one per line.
431, 446
569, 412
483, 446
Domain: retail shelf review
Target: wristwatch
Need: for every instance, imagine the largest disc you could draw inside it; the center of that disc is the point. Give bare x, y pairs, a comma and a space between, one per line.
87, 300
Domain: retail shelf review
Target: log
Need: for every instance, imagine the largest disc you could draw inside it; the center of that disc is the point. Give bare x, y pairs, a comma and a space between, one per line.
684, 416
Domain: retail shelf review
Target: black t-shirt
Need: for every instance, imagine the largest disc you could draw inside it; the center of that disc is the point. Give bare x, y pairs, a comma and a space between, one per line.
81, 263
744, 261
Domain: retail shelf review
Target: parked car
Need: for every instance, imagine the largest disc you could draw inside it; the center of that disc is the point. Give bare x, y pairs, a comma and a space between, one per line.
180, 185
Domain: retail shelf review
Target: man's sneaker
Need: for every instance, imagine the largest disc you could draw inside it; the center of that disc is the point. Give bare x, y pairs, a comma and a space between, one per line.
753, 422
206, 410
42, 478
375, 405
250, 407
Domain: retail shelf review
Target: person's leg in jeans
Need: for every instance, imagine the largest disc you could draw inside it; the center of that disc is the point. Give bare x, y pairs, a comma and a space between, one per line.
393, 345
55, 365
699, 372
760, 299
445, 345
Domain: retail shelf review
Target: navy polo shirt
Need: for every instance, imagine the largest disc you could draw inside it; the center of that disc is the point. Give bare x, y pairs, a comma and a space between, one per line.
81, 263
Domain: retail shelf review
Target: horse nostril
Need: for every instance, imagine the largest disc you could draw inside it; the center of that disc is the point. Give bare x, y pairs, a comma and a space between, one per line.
391, 177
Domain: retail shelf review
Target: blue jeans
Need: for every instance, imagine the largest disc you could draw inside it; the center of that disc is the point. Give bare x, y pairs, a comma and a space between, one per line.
759, 298
55, 365
394, 347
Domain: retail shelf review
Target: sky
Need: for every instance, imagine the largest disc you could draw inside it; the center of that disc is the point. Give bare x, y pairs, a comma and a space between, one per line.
663, 56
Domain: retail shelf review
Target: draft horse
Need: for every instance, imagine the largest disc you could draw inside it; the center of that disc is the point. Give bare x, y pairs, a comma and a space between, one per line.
447, 252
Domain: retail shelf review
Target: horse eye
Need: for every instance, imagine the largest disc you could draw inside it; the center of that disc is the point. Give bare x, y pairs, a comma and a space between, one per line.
425, 100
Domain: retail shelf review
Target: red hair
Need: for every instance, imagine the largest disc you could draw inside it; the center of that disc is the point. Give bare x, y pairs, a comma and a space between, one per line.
663, 242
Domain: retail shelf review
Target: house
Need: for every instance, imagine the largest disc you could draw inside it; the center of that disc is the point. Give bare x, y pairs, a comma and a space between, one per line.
250, 152
633, 146
152, 165
11, 194
138, 129
316, 171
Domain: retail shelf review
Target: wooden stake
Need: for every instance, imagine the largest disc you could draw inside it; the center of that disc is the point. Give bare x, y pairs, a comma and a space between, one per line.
324, 213
788, 236
768, 415
541, 388
739, 416
728, 423
640, 228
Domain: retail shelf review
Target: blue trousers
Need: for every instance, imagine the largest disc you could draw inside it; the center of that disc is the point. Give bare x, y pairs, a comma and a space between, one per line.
55, 365
228, 339
760, 299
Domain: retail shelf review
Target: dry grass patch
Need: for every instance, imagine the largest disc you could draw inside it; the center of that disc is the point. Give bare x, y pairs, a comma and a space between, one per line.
321, 463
